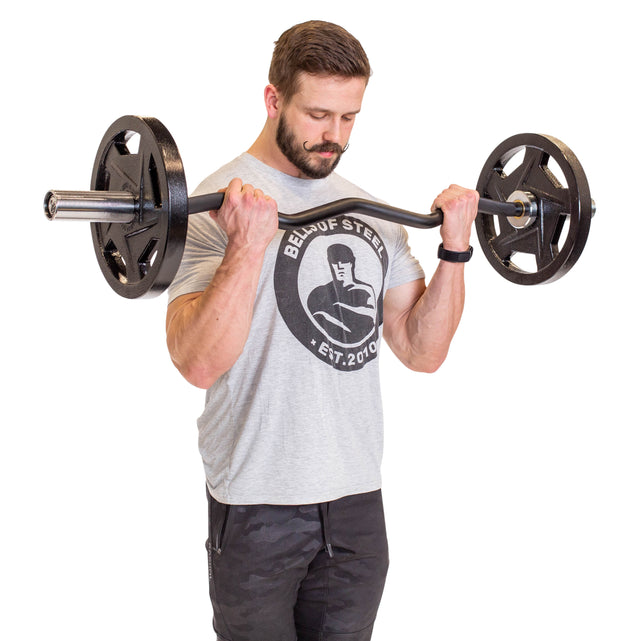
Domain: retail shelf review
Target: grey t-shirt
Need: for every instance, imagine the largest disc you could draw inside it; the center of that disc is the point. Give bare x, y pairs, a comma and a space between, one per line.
298, 418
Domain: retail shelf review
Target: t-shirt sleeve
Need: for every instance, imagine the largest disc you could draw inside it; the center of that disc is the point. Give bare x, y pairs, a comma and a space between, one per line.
404, 266
203, 252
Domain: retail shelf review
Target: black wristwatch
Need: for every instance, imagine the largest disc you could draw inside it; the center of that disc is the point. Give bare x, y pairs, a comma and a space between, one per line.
454, 257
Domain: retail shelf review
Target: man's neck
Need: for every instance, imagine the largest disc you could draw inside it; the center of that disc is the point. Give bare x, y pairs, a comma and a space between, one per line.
266, 150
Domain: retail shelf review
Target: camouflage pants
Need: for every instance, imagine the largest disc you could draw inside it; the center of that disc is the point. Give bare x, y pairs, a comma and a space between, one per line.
299, 572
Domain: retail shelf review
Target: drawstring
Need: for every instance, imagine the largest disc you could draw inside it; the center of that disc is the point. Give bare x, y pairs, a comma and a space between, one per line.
326, 532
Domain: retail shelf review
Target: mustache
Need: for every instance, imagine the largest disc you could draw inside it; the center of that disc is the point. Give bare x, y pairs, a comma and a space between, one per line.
326, 147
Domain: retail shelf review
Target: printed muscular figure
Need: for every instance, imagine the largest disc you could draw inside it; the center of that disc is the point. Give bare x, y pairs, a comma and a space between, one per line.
345, 307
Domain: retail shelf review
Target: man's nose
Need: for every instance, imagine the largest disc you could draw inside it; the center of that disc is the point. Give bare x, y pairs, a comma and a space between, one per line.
332, 131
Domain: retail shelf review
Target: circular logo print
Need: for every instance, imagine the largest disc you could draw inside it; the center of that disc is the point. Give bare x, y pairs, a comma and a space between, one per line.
329, 280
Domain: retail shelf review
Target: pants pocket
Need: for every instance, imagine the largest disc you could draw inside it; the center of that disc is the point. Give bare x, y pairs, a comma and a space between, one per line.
218, 517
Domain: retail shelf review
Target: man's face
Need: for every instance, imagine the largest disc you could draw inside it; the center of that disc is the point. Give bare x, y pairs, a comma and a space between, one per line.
314, 127
343, 272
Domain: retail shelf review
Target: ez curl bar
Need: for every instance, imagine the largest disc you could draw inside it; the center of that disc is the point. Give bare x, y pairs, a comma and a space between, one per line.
138, 207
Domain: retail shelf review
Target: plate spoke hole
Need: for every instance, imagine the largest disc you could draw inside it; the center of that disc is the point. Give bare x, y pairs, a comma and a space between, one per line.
514, 162
148, 257
554, 169
132, 141
563, 235
116, 262
524, 262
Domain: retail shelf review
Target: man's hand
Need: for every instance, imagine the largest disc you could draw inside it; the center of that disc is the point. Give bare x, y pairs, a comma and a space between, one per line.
247, 216
460, 208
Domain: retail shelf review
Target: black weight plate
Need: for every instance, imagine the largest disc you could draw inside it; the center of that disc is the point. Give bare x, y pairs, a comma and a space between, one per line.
557, 236
141, 258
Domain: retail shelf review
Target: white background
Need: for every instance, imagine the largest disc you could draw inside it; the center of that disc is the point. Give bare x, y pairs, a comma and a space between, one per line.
511, 476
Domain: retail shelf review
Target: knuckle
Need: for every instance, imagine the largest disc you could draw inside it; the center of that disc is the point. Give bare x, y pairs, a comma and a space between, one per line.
233, 198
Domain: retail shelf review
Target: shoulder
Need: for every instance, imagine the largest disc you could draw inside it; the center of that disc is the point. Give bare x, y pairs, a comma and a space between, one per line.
223, 176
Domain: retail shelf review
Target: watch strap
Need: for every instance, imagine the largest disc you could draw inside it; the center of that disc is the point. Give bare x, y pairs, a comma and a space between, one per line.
454, 257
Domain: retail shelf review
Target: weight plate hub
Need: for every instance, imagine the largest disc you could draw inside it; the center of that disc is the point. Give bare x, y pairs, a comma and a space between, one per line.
141, 258
555, 238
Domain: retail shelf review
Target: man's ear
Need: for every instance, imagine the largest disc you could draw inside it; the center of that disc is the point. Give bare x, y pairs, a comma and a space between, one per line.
272, 101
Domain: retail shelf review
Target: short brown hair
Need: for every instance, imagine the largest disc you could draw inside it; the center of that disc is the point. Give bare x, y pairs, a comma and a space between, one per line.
319, 48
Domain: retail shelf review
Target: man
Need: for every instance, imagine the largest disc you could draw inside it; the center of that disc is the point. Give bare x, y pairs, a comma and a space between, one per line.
291, 433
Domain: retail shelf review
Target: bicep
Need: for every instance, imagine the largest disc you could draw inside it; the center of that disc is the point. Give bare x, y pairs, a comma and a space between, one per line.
176, 306
398, 303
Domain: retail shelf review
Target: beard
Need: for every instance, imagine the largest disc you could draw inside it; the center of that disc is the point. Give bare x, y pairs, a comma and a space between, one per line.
301, 157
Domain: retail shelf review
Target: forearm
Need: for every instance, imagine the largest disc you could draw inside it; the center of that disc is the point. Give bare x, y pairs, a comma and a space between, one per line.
207, 334
431, 323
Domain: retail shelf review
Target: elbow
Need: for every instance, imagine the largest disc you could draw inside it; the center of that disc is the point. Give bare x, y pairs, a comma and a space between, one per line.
425, 363
199, 372
425, 360
201, 382
426, 367
197, 369
193, 370
198, 376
